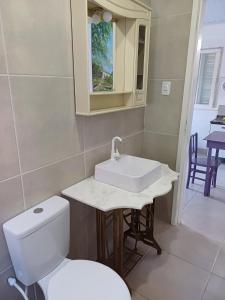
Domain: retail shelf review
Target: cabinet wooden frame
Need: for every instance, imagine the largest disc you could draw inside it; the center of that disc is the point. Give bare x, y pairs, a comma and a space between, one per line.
129, 14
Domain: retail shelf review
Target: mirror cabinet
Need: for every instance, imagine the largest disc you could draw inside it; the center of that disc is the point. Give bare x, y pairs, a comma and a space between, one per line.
111, 53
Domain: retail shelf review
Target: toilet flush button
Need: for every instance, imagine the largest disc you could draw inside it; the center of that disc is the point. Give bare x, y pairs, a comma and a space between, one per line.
38, 210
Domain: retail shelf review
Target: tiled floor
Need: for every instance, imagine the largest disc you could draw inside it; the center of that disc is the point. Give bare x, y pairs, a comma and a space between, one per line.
192, 265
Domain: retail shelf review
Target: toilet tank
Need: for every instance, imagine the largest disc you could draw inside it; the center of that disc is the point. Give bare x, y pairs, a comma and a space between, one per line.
38, 239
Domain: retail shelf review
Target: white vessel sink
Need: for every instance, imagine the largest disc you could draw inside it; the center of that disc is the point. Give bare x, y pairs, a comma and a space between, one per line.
130, 173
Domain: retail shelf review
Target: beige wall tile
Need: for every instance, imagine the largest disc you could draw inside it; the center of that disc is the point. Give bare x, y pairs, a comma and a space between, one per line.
5, 261
99, 130
161, 147
133, 145
10, 293
38, 37
48, 181
136, 296
162, 8
168, 47
2, 54
163, 113
133, 121
11, 199
9, 165
45, 120
6, 291
96, 156
11, 204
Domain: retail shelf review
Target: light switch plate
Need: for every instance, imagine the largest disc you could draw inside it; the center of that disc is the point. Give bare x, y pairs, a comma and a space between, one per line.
166, 88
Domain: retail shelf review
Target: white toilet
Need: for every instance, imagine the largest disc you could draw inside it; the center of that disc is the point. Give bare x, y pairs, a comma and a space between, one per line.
38, 242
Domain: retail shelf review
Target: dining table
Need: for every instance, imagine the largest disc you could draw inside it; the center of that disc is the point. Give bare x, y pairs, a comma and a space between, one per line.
215, 140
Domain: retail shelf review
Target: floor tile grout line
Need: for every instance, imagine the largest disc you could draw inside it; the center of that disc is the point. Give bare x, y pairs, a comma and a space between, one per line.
205, 287
189, 202
216, 257
185, 260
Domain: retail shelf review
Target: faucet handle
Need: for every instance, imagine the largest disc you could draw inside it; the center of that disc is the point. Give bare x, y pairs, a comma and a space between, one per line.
114, 152
117, 138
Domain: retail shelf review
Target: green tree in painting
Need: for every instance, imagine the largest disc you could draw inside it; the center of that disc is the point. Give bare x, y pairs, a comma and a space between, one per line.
101, 38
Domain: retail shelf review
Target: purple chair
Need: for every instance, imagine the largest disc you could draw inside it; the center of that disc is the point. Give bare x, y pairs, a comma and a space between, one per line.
196, 161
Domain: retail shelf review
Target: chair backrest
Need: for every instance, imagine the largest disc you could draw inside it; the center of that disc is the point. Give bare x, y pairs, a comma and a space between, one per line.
193, 146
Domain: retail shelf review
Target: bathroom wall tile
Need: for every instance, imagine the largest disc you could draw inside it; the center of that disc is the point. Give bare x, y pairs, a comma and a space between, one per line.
11, 199
45, 120
163, 112
5, 261
48, 181
133, 145
96, 156
7, 292
99, 130
161, 8
10, 293
133, 121
161, 147
9, 165
2, 54
37, 43
136, 296
11, 204
169, 46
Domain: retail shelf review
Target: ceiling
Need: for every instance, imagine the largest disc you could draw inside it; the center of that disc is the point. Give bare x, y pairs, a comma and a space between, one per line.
214, 11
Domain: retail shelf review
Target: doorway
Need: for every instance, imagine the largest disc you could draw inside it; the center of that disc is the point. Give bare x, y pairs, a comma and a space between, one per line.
204, 102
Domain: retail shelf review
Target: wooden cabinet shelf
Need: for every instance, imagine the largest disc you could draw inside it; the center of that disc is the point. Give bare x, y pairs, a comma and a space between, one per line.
109, 93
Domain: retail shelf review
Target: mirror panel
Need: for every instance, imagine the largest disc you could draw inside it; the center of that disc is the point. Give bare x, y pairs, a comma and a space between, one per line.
141, 57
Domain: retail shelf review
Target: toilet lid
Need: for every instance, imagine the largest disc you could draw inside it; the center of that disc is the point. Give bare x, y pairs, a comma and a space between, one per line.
87, 280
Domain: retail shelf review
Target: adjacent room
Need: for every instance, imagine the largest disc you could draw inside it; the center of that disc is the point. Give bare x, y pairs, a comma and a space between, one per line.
203, 207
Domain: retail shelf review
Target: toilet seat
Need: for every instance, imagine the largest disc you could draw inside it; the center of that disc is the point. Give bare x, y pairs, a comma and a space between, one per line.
87, 280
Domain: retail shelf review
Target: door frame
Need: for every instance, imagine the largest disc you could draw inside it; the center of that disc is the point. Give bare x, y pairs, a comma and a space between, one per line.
190, 87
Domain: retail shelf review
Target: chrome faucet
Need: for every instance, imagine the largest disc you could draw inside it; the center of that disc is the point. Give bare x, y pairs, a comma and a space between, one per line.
115, 155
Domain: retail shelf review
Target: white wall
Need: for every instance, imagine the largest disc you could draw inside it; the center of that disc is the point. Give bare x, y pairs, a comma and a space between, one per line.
213, 36
201, 124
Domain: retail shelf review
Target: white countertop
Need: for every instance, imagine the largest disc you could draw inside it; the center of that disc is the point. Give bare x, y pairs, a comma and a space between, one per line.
107, 197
